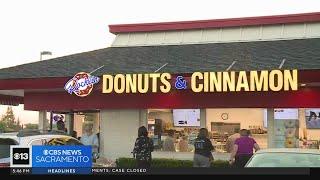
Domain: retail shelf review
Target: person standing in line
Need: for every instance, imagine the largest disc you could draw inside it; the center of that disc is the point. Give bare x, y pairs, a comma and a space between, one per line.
183, 144
203, 147
243, 149
143, 148
61, 126
168, 144
74, 134
90, 139
231, 139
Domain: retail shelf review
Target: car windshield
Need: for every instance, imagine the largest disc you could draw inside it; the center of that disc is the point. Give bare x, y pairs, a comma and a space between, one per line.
285, 160
5, 147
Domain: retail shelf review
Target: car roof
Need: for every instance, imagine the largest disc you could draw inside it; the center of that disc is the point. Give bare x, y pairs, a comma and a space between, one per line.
289, 150
8, 134
48, 136
17, 138
12, 135
5, 160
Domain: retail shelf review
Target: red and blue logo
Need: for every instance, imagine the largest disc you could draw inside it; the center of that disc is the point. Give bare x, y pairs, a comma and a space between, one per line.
81, 84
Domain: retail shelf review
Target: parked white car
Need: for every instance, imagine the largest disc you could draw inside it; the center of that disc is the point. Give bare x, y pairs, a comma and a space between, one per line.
285, 157
29, 138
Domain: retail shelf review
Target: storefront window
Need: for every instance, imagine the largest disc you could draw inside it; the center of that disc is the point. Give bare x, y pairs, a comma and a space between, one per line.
224, 124
175, 130
168, 134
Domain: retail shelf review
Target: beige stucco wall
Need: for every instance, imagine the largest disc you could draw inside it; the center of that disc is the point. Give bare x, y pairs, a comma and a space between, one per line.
119, 130
78, 121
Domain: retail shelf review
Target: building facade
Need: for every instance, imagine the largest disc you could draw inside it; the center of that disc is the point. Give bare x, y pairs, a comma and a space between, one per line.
273, 44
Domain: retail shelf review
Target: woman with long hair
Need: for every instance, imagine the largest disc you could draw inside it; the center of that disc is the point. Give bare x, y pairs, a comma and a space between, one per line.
143, 148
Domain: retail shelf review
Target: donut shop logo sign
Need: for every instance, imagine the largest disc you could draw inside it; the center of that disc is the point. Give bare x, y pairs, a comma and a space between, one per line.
81, 84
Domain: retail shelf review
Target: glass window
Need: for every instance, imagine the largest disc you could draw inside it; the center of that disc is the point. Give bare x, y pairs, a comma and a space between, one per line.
173, 130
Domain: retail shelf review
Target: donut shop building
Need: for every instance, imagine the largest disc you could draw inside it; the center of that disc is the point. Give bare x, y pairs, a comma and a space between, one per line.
258, 73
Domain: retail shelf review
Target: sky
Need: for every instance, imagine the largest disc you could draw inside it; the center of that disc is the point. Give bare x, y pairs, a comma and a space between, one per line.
66, 27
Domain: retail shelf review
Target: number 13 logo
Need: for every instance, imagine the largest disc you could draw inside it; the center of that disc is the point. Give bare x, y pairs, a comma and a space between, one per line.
22, 156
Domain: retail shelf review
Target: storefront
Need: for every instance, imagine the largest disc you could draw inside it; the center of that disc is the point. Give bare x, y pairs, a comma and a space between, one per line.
258, 73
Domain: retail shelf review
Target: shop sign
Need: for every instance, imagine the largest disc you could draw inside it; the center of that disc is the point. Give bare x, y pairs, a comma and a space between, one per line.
81, 84
252, 81
61, 159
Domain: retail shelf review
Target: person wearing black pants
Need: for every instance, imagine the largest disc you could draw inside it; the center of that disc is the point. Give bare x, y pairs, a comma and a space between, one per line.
143, 164
241, 160
143, 148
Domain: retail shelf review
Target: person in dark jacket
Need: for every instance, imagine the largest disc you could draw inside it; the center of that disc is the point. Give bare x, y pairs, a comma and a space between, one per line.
61, 126
143, 148
203, 148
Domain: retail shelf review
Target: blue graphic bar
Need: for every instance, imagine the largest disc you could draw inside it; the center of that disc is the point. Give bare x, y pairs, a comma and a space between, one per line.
61, 157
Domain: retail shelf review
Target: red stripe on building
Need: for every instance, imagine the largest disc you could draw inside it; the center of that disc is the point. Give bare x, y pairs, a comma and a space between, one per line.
33, 83
62, 101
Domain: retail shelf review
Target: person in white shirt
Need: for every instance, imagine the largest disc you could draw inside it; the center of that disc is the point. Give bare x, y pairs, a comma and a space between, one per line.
90, 139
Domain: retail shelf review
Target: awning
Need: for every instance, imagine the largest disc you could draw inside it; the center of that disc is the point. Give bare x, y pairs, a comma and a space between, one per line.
10, 100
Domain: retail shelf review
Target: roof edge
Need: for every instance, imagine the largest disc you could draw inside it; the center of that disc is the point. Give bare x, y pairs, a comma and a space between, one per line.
306, 76
215, 23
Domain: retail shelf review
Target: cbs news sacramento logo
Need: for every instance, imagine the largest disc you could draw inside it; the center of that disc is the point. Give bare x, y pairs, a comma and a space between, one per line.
52, 159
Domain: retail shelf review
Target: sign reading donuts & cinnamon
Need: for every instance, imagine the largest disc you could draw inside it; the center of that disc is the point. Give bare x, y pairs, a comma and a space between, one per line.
249, 81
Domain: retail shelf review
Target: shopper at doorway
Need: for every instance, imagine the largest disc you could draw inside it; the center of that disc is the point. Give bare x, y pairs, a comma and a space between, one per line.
74, 134
61, 126
168, 144
90, 139
243, 149
203, 147
231, 139
183, 144
143, 148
